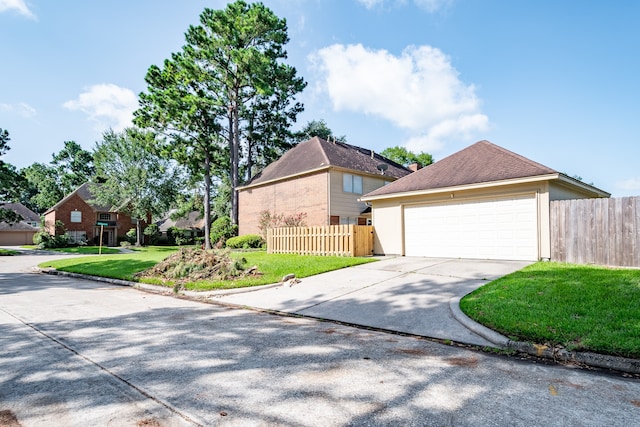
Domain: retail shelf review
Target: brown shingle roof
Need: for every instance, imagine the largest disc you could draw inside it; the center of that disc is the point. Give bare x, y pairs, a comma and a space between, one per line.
84, 193
478, 163
316, 153
26, 213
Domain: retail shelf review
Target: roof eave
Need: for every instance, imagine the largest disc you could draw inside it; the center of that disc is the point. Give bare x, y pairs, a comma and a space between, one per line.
583, 186
285, 178
455, 188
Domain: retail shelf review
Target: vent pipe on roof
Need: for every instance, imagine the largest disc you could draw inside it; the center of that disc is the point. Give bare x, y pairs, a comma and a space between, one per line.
372, 154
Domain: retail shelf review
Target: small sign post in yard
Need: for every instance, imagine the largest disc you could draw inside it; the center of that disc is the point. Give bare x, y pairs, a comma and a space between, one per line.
101, 224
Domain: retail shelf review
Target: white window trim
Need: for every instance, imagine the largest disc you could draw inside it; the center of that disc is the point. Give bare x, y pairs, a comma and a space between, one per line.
78, 216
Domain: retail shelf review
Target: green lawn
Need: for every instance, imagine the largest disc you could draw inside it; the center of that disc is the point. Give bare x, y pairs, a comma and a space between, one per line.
8, 252
579, 307
273, 266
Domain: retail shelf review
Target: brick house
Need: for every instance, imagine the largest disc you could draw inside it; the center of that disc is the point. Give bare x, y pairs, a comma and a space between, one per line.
320, 178
83, 218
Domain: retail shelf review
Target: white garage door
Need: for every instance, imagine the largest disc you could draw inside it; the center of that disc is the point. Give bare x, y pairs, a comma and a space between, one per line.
505, 228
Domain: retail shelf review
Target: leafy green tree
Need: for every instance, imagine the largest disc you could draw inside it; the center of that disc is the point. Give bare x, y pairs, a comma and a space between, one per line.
131, 179
42, 185
9, 177
228, 79
320, 129
405, 157
41, 190
73, 165
10, 182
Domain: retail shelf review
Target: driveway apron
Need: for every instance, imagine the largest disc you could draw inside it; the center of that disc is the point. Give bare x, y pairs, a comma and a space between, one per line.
402, 294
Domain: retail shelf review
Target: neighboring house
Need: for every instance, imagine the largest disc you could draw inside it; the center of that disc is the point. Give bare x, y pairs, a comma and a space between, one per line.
83, 219
191, 226
320, 178
20, 233
482, 202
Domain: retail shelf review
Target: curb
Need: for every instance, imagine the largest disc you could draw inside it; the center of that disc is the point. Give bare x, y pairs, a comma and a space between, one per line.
155, 288
616, 363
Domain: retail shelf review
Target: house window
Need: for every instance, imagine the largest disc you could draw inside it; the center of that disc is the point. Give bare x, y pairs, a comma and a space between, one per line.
334, 220
76, 216
351, 183
104, 216
362, 221
77, 236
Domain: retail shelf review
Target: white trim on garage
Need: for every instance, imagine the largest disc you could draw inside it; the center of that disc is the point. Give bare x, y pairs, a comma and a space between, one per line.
504, 227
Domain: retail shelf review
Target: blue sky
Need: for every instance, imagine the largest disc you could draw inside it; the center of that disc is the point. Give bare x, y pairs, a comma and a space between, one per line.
555, 81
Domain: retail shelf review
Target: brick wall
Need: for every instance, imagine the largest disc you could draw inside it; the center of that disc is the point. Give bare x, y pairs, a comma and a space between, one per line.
307, 194
89, 219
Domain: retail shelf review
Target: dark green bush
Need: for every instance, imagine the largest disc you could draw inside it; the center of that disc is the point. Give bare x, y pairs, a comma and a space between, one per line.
153, 231
248, 241
222, 229
132, 235
46, 241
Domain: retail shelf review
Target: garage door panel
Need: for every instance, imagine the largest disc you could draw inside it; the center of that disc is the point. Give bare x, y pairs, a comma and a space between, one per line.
503, 228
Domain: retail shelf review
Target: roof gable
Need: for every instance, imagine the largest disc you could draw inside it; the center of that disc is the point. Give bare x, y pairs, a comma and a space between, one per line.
478, 163
84, 192
317, 153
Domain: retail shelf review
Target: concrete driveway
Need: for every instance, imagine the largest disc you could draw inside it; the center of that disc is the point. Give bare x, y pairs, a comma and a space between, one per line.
403, 294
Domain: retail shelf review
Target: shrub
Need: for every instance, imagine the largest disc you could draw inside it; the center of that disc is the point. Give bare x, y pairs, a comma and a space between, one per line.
153, 231
268, 220
132, 234
172, 232
46, 241
248, 241
222, 229
181, 239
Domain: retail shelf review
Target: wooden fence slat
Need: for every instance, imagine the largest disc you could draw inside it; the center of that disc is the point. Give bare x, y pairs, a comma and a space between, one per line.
596, 231
343, 240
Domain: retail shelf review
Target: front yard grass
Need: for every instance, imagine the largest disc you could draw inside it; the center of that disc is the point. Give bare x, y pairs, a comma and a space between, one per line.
8, 252
273, 266
582, 308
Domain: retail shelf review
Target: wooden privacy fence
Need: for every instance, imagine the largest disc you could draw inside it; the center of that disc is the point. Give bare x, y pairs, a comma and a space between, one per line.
344, 240
596, 231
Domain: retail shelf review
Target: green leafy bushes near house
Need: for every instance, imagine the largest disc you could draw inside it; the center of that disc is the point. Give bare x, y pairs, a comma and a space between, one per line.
221, 230
132, 235
247, 241
153, 232
46, 241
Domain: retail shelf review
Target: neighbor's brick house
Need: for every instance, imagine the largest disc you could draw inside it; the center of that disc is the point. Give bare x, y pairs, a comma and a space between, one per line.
320, 178
82, 218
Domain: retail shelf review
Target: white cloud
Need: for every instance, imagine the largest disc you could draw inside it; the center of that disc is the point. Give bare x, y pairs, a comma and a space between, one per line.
18, 5
22, 108
430, 6
107, 104
632, 184
370, 4
418, 90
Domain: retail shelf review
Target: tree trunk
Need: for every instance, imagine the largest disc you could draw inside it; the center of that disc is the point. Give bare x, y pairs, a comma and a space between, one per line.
138, 232
235, 159
207, 201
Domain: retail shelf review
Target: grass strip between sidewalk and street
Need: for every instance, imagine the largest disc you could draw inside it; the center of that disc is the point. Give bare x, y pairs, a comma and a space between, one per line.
579, 307
272, 266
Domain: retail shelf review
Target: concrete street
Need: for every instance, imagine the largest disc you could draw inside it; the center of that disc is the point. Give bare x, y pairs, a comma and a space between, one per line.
76, 352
